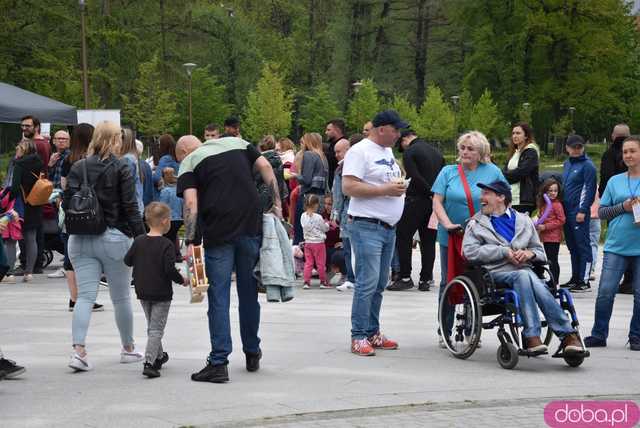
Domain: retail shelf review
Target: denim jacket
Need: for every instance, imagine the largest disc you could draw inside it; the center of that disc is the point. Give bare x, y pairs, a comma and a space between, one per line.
340, 203
276, 255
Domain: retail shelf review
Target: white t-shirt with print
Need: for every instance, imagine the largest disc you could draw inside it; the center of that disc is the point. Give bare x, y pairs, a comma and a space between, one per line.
374, 165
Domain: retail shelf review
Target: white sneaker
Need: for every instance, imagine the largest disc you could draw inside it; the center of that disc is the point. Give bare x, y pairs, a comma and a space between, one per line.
9, 279
336, 279
60, 273
127, 357
347, 285
80, 364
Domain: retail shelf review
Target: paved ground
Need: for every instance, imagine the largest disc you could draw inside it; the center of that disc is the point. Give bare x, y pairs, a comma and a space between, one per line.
308, 377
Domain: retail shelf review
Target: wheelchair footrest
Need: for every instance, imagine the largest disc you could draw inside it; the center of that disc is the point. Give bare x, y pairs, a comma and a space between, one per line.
529, 354
560, 354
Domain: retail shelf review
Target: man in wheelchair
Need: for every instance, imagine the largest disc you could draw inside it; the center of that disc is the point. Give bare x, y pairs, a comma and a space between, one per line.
506, 243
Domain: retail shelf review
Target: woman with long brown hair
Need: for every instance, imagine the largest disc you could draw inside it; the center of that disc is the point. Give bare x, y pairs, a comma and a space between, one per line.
312, 175
522, 168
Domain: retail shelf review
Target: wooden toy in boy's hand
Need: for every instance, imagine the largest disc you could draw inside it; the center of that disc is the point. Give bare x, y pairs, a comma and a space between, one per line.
198, 283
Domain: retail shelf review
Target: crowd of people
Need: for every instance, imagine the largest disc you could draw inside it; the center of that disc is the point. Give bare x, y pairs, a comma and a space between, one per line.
353, 212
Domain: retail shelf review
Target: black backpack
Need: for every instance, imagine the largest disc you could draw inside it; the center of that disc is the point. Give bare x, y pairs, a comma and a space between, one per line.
84, 215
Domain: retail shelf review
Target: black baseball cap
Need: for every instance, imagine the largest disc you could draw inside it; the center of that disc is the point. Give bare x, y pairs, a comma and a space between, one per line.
403, 134
389, 117
575, 140
498, 187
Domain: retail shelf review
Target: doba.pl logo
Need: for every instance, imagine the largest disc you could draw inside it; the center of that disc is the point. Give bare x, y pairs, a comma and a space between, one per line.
591, 414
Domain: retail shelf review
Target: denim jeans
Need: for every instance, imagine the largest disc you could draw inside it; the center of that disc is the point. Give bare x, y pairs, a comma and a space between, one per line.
346, 245
533, 293
576, 236
594, 239
91, 255
395, 260
613, 267
240, 255
372, 246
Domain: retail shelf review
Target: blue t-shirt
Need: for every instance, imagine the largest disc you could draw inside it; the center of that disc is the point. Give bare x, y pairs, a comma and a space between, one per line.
505, 224
623, 237
449, 185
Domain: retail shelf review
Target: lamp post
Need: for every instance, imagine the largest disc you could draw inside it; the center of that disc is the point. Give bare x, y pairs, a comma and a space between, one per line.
189, 66
572, 111
455, 99
85, 73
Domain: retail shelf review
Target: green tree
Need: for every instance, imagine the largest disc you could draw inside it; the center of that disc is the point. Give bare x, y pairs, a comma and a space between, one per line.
319, 107
364, 105
405, 109
484, 116
268, 106
465, 107
208, 105
435, 119
152, 108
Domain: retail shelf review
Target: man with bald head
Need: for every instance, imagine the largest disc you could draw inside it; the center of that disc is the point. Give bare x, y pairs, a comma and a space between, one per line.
61, 143
186, 145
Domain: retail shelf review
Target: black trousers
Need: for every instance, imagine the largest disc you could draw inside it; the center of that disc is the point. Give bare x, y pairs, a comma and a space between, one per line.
172, 234
415, 217
552, 249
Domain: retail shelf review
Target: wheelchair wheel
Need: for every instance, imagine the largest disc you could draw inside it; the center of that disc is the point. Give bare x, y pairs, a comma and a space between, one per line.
574, 361
47, 257
460, 317
507, 355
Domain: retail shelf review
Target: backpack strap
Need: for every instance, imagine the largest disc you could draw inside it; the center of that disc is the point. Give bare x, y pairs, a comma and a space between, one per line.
467, 190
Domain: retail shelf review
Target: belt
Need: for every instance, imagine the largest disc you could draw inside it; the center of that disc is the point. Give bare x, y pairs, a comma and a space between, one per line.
372, 220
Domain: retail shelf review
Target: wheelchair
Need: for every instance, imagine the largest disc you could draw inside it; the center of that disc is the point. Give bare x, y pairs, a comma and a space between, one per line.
470, 297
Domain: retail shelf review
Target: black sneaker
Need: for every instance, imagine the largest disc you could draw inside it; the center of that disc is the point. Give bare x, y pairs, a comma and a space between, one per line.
150, 371
594, 342
570, 284
401, 284
10, 368
38, 271
2, 375
634, 343
18, 271
211, 373
159, 362
253, 361
580, 287
425, 285
97, 308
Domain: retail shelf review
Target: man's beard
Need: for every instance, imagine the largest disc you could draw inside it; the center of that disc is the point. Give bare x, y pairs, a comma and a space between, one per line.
29, 135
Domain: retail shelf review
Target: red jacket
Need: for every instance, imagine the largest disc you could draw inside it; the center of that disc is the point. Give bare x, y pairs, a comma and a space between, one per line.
553, 224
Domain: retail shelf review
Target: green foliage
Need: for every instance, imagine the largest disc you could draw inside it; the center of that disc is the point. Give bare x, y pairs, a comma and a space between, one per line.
465, 108
364, 105
152, 109
484, 115
405, 109
208, 105
318, 108
436, 118
268, 106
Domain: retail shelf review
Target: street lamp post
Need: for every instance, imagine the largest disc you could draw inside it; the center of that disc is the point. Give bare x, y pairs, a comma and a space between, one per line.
189, 66
572, 111
455, 99
85, 73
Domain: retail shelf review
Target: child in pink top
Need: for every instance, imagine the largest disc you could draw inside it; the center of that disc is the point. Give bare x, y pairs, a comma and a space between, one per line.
314, 228
550, 230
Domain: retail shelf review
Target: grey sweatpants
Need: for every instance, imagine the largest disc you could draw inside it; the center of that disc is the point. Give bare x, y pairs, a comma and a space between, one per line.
156, 314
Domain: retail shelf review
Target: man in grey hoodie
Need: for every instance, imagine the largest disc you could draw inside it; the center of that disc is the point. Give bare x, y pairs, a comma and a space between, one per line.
506, 243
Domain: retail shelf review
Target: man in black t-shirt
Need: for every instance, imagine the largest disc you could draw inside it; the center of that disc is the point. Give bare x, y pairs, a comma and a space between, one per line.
220, 196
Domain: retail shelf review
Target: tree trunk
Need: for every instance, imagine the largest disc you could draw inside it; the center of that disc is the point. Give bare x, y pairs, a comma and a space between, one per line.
420, 58
163, 41
313, 43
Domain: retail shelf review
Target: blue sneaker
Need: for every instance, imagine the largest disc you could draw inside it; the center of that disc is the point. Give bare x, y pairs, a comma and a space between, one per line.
594, 342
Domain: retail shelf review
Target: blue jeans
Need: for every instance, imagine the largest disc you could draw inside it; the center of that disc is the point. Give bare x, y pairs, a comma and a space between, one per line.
613, 267
373, 246
346, 244
533, 293
395, 260
240, 254
594, 239
91, 255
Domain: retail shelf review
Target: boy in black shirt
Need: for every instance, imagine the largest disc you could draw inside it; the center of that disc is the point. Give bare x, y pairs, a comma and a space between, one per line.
153, 259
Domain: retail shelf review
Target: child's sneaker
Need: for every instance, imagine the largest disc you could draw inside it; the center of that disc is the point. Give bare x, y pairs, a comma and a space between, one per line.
150, 371
380, 341
159, 362
127, 357
362, 347
325, 285
306, 286
80, 364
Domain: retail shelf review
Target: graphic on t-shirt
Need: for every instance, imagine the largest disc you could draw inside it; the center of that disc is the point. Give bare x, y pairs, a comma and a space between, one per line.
390, 163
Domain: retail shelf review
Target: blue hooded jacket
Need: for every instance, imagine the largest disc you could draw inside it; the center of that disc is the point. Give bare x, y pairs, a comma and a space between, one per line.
579, 179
